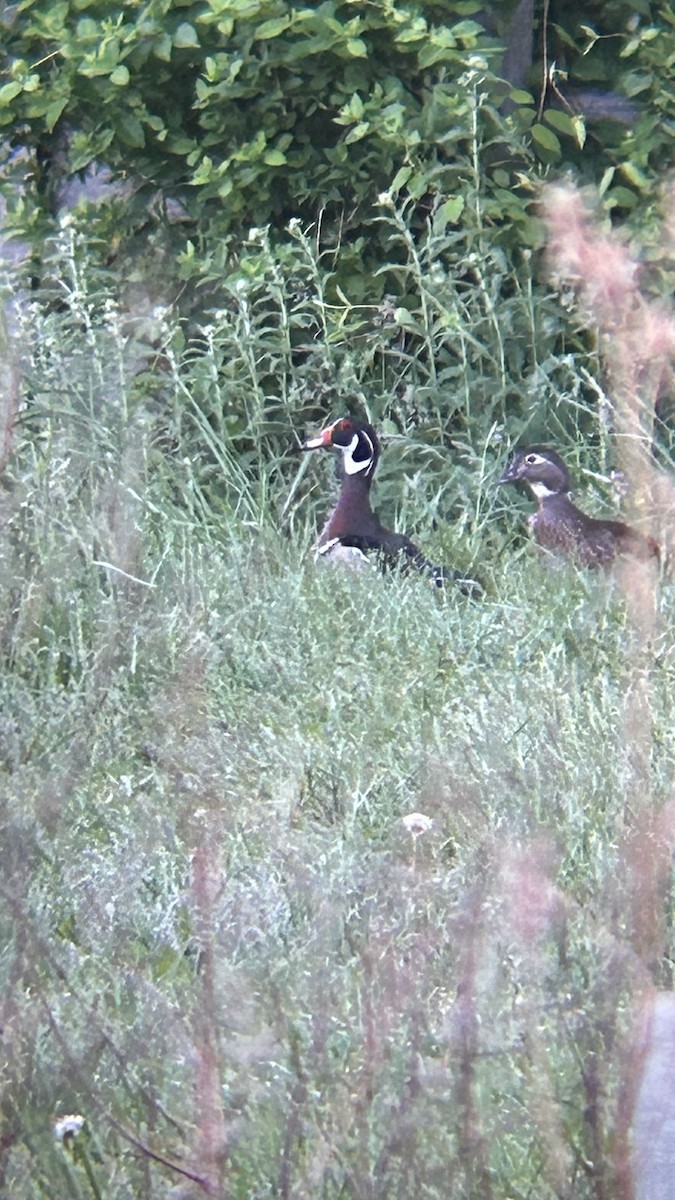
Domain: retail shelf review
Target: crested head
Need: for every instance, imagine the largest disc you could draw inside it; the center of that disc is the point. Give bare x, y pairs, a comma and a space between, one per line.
355, 439
541, 469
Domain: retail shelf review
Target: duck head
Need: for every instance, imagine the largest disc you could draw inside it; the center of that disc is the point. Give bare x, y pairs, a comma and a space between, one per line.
357, 442
542, 470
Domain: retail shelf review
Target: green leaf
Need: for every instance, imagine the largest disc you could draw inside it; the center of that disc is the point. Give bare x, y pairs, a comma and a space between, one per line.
400, 179
606, 180
630, 47
162, 48
180, 144
130, 130
53, 112
84, 147
357, 48
120, 76
274, 158
185, 37
579, 130
468, 31
520, 97
545, 139
635, 82
87, 29
571, 125
561, 121
358, 132
447, 214
354, 110
271, 29
204, 172
622, 197
452, 209
592, 38
414, 30
9, 91
562, 36
635, 175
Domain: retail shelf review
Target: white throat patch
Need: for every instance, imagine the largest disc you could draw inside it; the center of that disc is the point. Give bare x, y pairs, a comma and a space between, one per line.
540, 489
352, 467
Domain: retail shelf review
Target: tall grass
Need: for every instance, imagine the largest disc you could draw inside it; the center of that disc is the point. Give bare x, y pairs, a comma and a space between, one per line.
222, 946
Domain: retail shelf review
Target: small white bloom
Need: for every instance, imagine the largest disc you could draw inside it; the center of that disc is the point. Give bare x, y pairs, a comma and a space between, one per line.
417, 823
385, 198
68, 1126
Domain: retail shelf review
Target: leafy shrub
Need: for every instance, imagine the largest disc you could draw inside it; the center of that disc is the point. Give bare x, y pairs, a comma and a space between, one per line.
254, 111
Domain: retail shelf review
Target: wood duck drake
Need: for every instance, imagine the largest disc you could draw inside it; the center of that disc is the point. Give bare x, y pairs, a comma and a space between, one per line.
559, 526
353, 524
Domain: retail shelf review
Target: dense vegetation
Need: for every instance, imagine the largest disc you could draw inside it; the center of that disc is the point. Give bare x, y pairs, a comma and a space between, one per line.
221, 946
241, 112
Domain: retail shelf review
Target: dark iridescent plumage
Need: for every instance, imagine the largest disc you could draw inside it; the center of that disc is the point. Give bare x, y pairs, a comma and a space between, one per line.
352, 524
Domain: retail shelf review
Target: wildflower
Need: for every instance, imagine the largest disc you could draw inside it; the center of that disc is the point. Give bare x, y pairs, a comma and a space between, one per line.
416, 823
67, 1127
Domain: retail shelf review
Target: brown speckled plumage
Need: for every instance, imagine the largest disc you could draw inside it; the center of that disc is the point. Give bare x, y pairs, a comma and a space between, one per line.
562, 528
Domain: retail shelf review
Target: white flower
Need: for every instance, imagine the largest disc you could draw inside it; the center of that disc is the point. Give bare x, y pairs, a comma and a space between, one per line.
416, 823
68, 1126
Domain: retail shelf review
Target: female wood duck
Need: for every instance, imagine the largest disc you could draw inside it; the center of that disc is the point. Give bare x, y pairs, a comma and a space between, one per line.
558, 525
353, 524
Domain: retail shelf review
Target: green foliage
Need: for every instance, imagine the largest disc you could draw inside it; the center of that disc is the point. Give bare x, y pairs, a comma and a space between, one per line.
257, 112
266, 109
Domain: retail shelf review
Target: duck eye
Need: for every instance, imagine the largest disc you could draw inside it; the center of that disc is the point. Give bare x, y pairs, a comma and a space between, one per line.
532, 459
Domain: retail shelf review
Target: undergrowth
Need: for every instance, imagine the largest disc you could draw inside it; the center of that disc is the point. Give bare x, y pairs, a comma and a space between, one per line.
221, 945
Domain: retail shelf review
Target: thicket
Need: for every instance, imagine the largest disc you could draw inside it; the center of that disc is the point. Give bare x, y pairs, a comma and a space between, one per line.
252, 112
388, 136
